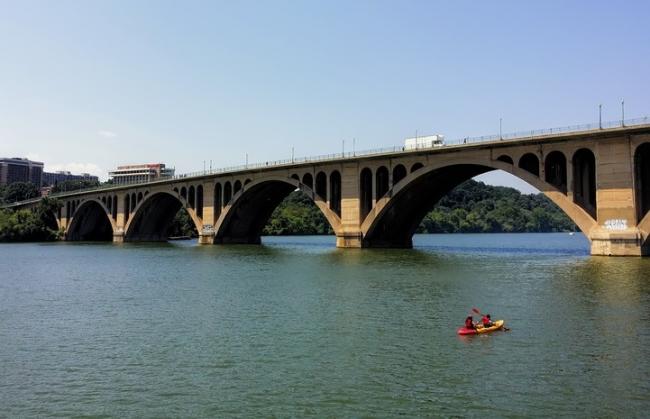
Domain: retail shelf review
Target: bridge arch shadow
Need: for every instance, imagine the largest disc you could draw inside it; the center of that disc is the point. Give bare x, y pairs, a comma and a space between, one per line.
152, 217
91, 222
243, 219
397, 215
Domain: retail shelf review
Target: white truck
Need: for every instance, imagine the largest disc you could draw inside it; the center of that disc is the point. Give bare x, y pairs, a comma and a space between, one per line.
424, 142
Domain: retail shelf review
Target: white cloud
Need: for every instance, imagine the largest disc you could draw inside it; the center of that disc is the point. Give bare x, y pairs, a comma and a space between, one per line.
107, 134
78, 168
33, 156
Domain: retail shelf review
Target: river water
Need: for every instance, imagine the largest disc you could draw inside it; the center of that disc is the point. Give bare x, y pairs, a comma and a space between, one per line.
296, 327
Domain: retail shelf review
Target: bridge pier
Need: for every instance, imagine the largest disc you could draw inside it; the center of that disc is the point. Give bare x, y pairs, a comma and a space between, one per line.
617, 243
206, 238
118, 237
349, 240
206, 235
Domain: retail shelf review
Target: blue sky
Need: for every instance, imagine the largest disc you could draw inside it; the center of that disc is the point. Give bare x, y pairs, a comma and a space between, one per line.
90, 85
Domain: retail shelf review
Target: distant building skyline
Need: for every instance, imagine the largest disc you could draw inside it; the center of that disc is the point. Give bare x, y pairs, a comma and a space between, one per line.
18, 169
53, 178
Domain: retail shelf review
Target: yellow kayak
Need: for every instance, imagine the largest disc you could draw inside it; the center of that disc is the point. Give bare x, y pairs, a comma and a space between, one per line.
496, 325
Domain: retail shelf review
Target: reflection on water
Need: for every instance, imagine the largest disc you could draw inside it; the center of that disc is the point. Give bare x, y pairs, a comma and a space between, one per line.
297, 327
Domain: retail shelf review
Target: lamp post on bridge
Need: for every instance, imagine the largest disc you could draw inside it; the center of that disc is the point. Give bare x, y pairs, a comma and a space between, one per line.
500, 128
623, 112
600, 116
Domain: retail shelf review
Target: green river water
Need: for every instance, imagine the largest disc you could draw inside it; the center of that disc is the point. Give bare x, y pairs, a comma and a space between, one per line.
297, 328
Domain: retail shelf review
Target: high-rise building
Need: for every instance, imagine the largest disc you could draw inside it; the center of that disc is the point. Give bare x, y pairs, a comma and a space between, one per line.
51, 179
140, 173
20, 170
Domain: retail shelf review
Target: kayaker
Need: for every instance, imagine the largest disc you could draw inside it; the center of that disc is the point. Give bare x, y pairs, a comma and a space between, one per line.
487, 321
469, 323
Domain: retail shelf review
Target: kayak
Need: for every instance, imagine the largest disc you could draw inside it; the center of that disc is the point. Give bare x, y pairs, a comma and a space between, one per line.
498, 324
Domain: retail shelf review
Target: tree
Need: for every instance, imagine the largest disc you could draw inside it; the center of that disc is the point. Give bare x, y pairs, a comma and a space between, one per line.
74, 185
36, 224
19, 191
182, 225
297, 215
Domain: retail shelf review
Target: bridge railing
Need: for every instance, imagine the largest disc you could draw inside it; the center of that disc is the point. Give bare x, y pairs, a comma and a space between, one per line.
552, 131
523, 135
396, 149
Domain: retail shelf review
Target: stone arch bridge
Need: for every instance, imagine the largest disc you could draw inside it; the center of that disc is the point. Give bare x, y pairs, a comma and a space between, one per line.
600, 178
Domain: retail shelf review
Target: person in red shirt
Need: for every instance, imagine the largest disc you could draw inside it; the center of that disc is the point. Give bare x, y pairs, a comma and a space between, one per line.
469, 323
486, 320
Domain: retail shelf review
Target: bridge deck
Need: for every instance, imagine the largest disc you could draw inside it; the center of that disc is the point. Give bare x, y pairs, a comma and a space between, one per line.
549, 134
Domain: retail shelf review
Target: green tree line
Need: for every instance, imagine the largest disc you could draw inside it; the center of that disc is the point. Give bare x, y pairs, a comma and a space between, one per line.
37, 224
472, 207
475, 207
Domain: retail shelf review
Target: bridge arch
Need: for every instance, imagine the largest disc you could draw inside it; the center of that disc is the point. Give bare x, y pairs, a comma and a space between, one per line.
395, 217
365, 192
642, 187
506, 159
153, 216
92, 221
321, 185
335, 192
127, 207
555, 170
191, 196
381, 179
227, 193
642, 179
244, 218
218, 200
530, 163
308, 180
416, 166
199, 201
584, 180
399, 173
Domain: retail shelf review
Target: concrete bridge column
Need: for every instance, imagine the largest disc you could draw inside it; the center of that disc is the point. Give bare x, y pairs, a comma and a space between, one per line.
350, 234
65, 217
118, 233
206, 234
617, 233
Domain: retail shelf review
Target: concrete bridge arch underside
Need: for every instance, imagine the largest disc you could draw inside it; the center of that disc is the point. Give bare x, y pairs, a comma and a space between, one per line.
396, 216
601, 181
244, 217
